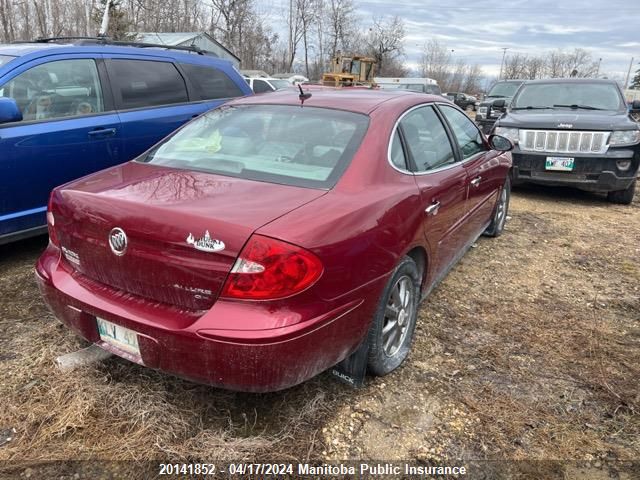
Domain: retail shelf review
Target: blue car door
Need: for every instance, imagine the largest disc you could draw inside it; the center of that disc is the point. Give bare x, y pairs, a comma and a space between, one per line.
153, 98
69, 129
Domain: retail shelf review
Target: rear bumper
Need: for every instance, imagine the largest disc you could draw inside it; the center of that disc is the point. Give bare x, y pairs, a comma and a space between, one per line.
183, 343
591, 173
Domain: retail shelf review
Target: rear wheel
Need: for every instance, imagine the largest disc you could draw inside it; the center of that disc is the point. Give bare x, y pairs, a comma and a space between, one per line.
624, 197
394, 322
496, 226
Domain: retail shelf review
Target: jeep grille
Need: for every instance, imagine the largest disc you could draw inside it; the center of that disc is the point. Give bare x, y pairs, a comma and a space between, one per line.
561, 141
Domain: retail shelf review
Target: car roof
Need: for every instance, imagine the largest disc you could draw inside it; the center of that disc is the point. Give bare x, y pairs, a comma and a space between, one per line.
352, 99
20, 49
571, 80
23, 49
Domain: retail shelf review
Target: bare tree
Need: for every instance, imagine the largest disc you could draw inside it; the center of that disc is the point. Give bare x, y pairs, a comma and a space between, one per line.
385, 43
515, 66
340, 23
436, 62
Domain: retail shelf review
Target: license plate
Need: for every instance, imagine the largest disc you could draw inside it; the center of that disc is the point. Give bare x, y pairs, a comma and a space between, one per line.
563, 164
118, 336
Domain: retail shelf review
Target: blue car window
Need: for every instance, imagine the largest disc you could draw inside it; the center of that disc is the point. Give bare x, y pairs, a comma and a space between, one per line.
146, 83
64, 88
211, 83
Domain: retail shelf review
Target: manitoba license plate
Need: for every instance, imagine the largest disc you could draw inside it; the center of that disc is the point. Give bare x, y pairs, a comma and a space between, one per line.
118, 336
563, 164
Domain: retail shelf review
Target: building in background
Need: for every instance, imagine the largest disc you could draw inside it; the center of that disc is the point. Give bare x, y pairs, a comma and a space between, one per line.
201, 40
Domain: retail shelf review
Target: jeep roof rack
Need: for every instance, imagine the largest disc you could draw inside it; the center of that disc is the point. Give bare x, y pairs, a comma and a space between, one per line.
100, 40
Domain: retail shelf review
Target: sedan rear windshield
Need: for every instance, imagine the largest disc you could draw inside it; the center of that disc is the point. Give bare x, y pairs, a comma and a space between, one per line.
592, 96
291, 145
4, 59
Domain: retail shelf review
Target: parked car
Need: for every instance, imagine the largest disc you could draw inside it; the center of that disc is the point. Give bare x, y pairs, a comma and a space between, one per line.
263, 242
267, 84
413, 84
574, 132
67, 110
487, 112
463, 100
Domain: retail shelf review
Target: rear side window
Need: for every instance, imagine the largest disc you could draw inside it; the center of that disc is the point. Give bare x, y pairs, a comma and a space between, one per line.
210, 83
144, 83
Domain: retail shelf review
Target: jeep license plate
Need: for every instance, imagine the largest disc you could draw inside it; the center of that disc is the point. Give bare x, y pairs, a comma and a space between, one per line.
563, 164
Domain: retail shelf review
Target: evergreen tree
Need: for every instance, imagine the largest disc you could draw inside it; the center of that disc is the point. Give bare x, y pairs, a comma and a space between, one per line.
635, 83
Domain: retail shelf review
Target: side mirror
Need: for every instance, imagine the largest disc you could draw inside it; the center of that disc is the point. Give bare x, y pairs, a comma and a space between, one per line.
499, 103
635, 105
9, 111
500, 143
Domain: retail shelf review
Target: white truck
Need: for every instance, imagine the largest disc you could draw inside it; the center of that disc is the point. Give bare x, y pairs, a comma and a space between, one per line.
415, 84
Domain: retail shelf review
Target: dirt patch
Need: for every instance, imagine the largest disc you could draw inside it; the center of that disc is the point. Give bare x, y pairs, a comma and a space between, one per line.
529, 350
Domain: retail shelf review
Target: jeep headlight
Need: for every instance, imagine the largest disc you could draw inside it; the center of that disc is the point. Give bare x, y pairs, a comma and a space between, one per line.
512, 134
482, 110
623, 138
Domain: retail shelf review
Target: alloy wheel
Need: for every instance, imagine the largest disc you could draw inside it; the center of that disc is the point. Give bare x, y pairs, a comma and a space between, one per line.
397, 316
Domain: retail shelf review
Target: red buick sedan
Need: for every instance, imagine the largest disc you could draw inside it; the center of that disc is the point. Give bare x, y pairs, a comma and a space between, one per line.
267, 240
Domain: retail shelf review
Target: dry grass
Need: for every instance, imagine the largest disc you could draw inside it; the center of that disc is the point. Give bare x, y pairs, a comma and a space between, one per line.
530, 349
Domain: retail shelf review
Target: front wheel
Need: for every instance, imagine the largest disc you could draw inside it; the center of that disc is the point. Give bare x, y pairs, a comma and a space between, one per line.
496, 226
624, 197
394, 322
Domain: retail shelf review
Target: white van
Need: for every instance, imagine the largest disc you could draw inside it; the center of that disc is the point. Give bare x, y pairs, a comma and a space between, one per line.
415, 84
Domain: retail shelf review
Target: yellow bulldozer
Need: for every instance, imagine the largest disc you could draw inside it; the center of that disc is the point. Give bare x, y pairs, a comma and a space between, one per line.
350, 72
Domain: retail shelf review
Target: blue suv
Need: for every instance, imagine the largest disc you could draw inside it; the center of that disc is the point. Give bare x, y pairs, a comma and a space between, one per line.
69, 109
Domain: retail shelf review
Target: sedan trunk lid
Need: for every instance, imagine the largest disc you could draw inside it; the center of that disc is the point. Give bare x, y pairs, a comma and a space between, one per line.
175, 234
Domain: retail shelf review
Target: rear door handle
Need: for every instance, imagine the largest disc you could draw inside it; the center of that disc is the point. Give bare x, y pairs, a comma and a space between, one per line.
476, 181
432, 209
102, 132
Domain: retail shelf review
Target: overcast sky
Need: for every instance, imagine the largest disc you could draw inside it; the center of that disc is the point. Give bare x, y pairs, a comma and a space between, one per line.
477, 30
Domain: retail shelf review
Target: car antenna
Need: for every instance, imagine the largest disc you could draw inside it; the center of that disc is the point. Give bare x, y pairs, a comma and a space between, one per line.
303, 96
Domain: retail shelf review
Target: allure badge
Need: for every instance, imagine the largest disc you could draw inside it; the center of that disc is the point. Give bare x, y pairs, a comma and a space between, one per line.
206, 243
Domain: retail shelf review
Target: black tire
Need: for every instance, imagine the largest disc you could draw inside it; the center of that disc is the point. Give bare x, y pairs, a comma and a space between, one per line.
387, 353
624, 197
500, 211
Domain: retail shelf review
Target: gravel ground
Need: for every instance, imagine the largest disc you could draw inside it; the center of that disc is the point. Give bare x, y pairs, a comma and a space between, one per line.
529, 350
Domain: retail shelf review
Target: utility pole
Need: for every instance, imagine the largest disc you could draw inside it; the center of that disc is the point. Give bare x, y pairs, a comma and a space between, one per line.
504, 53
626, 80
598, 69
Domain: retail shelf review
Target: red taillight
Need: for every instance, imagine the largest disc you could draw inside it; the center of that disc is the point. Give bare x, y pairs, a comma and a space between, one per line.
51, 222
268, 269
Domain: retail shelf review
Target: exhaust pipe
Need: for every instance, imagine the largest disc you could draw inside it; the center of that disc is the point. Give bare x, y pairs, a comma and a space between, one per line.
81, 358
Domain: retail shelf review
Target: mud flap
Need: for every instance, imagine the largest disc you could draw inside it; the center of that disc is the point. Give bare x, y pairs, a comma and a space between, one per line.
353, 369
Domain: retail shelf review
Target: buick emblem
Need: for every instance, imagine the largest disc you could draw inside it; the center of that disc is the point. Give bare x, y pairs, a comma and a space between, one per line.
118, 241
